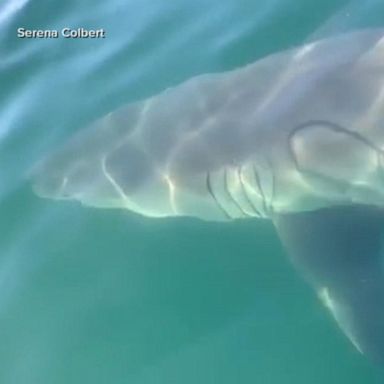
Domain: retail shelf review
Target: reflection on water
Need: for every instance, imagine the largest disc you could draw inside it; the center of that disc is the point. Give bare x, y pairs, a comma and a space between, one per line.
105, 296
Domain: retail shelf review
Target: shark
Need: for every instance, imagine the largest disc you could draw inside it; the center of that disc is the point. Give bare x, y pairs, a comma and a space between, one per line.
296, 137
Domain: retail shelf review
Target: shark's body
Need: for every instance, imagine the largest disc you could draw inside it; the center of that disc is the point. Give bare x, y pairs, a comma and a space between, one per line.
297, 137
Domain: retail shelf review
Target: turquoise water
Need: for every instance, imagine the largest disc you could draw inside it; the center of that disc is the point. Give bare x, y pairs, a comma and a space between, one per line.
104, 296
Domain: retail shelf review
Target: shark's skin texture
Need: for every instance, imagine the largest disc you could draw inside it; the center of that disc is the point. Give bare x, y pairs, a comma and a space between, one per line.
295, 133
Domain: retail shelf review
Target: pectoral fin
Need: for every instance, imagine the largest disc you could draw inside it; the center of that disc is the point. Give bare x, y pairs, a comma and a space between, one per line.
339, 250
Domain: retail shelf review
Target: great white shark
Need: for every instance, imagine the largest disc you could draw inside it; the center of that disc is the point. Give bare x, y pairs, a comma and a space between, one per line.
296, 137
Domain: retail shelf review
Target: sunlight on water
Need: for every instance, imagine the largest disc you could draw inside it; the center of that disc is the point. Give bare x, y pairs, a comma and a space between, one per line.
10, 8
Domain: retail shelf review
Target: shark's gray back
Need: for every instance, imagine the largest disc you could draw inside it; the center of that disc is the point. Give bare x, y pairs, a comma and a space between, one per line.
294, 131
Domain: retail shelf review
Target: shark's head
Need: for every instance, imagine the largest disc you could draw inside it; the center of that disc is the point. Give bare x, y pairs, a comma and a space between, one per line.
124, 175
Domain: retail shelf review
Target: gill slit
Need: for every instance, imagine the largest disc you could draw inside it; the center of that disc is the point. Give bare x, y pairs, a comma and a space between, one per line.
210, 191
244, 189
273, 192
231, 196
258, 183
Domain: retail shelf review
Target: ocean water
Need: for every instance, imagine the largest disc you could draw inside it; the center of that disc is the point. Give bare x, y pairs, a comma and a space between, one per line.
106, 296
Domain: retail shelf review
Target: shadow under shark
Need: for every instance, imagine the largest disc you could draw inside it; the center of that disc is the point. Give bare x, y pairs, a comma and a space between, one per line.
296, 137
